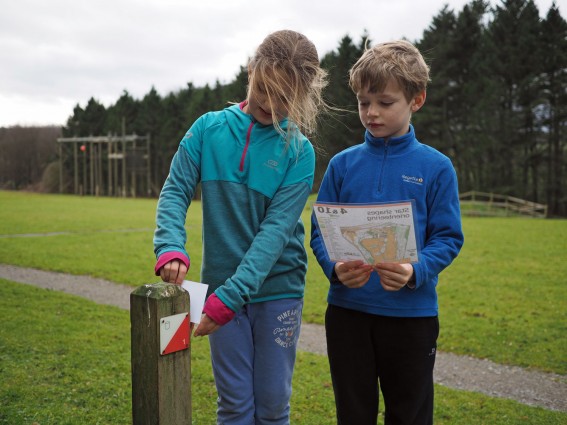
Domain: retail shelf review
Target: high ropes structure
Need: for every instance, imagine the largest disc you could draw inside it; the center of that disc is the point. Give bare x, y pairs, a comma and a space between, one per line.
105, 165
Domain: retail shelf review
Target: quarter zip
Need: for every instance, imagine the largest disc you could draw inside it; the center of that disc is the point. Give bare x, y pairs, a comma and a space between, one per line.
380, 181
243, 157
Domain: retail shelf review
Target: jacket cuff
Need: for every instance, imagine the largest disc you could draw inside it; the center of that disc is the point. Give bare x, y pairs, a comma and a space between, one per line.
166, 257
412, 280
334, 278
218, 311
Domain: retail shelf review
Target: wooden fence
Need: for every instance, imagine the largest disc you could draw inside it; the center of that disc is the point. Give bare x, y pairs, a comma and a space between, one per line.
490, 204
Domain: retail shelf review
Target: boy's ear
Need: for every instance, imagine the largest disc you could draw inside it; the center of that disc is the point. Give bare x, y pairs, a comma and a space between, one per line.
418, 101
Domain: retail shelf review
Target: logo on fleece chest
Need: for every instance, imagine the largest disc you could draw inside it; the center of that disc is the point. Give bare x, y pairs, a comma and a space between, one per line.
412, 179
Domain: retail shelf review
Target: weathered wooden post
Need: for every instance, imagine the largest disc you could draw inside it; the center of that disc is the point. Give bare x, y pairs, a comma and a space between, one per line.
161, 355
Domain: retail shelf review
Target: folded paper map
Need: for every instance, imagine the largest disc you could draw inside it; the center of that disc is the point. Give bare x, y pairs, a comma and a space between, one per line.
380, 233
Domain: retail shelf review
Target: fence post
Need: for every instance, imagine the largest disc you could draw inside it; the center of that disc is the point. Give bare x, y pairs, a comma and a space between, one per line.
161, 383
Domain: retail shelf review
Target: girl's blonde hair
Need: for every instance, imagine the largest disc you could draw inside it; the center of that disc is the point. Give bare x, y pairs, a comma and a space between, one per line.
399, 60
287, 66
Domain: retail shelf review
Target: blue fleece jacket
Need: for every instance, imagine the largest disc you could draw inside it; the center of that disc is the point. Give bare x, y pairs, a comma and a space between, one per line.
254, 187
397, 169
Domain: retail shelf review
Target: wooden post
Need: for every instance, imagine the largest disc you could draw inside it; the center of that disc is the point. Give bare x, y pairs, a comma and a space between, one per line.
134, 165
109, 155
75, 170
91, 167
148, 167
61, 162
116, 150
124, 186
84, 187
161, 384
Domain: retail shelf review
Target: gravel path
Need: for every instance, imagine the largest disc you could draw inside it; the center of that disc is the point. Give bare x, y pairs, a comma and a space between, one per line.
466, 373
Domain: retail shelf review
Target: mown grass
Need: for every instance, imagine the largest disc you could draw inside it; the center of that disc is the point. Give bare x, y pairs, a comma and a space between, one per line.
107, 238
503, 299
66, 361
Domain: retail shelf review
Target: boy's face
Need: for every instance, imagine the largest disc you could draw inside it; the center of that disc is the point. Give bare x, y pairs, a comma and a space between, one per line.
387, 114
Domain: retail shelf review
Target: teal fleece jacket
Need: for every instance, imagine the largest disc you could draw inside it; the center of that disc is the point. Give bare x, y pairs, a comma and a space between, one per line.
254, 187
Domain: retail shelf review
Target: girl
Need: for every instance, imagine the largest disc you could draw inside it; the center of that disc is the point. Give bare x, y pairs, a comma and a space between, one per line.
256, 171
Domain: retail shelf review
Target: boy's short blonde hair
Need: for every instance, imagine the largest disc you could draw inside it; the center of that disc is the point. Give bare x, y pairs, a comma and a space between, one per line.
399, 60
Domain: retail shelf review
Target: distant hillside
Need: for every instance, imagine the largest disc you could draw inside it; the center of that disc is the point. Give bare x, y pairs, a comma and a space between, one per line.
26, 153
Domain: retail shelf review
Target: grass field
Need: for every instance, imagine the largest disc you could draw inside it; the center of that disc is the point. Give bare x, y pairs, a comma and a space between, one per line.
503, 299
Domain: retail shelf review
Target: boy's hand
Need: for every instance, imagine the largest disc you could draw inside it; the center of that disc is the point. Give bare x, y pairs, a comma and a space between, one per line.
353, 274
393, 276
173, 272
206, 327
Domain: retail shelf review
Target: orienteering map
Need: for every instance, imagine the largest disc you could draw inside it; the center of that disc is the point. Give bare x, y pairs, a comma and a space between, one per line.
383, 233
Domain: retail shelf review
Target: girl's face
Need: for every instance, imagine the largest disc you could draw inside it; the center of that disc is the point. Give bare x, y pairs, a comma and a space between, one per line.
387, 114
260, 107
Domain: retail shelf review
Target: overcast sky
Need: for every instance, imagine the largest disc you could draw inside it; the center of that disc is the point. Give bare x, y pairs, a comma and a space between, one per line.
56, 54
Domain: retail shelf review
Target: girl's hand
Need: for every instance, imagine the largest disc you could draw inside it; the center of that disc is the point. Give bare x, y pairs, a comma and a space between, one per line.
353, 274
173, 272
206, 327
394, 277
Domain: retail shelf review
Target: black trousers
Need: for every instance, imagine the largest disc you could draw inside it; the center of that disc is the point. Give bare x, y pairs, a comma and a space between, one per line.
369, 353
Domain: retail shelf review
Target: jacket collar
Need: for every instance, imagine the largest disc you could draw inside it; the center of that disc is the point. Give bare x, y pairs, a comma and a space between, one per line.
395, 145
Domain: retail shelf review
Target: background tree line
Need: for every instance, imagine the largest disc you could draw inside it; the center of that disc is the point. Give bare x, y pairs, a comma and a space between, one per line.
496, 105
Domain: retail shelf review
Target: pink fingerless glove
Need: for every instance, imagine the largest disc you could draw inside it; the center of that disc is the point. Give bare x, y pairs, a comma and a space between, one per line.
218, 311
169, 256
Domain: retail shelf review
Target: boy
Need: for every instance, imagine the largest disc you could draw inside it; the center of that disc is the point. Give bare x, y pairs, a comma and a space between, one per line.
381, 320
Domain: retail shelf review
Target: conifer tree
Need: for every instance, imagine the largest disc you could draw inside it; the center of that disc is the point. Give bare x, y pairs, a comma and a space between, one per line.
512, 50
552, 115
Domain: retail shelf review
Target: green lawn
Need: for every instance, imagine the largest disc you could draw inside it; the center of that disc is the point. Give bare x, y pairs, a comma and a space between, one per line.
63, 359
